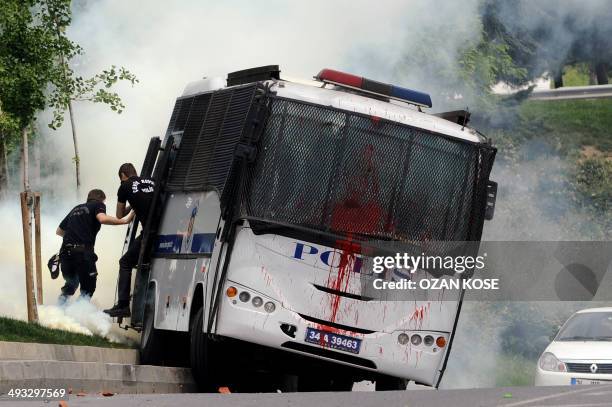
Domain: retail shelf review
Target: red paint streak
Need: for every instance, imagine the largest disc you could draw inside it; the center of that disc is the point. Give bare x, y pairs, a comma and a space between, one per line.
340, 281
420, 314
359, 211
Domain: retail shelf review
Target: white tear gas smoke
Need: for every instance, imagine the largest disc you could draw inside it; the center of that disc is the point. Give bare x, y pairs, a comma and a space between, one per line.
562, 30
80, 316
525, 211
424, 55
168, 44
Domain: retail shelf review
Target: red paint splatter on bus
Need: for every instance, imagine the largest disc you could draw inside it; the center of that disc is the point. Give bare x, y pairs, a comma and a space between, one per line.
419, 314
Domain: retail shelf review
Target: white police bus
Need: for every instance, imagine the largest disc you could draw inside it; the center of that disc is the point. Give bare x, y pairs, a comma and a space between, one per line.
272, 196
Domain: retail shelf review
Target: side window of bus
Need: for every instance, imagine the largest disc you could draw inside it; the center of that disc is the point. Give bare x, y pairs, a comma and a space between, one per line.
189, 224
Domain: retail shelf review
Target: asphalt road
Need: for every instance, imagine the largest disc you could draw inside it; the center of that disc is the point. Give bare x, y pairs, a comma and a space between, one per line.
587, 396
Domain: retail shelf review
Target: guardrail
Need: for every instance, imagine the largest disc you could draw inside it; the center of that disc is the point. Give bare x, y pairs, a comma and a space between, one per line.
574, 92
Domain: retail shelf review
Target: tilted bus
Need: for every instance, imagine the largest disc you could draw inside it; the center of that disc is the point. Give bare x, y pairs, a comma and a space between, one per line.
271, 197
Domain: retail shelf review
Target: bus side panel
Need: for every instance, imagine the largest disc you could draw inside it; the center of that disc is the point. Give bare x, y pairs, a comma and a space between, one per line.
182, 254
175, 280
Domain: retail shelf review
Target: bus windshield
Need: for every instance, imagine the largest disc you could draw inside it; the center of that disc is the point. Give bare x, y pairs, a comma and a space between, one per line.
346, 173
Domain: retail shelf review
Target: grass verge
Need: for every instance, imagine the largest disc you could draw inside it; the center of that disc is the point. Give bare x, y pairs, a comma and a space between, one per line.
571, 123
13, 330
514, 370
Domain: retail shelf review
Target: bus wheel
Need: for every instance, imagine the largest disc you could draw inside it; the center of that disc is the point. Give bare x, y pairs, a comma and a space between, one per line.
199, 355
151, 340
384, 383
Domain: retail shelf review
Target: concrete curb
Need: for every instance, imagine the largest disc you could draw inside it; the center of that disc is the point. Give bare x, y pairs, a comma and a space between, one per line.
86, 369
67, 353
93, 377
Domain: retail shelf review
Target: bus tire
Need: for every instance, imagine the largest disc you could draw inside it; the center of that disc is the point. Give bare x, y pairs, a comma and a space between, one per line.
199, 358
387, 383
152, 340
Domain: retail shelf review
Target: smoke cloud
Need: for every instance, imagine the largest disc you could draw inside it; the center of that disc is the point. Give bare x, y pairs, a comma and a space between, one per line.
167, 44
562, 29
81, 316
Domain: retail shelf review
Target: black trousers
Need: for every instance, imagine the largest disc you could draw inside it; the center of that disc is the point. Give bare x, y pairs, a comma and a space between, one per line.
127, 262
78, 268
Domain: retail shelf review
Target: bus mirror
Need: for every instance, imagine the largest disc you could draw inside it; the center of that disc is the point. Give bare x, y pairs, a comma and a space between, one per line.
491, 196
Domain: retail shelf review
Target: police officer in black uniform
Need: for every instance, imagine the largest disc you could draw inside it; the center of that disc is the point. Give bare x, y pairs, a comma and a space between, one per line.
138, 193
77, 257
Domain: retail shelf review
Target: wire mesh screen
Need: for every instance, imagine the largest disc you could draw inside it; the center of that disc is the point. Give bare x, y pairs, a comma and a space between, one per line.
346, 173
212, 125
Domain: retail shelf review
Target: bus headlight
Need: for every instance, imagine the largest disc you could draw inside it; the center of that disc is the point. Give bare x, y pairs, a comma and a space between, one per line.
269, 307
550, 363
416, 340
244, 296
429, 340
257, 302
403, 338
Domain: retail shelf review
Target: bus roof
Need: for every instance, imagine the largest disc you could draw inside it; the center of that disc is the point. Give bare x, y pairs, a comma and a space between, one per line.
313, 92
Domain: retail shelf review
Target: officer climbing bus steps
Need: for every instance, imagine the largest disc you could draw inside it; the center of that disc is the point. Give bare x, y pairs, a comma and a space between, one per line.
146, 171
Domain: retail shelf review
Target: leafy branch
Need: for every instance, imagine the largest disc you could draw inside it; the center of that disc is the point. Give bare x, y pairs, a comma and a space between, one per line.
95, 89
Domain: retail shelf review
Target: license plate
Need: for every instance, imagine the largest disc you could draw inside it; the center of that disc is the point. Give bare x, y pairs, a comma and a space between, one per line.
333, 341
576, 381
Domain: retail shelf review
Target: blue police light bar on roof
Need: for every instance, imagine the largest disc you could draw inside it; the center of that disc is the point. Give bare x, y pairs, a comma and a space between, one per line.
378, 88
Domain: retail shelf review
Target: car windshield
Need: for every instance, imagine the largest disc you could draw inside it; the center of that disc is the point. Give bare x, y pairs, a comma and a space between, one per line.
588, 326
333, 171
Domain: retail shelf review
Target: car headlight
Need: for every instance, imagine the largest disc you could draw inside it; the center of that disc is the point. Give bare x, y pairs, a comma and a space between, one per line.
550, 363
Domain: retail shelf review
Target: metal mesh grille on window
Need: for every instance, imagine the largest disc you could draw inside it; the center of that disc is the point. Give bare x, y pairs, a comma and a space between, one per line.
345, 173
212, 125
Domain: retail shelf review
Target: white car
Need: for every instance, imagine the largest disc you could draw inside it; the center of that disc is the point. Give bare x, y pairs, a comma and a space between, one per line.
581, 353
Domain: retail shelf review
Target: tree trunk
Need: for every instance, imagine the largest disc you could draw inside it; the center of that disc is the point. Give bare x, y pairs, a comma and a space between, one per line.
592, 75
6, 162
24, 160
26, 221
601, 70
77, 159
36, 170
3, 168
558, 79
77, 164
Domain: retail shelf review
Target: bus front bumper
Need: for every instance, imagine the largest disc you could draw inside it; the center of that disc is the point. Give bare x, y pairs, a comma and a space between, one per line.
283, 329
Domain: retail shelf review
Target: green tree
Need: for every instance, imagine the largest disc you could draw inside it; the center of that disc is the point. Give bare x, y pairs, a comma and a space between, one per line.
9, 134
546, 35
27, 53
35, 72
